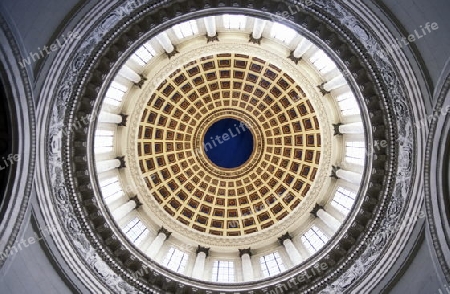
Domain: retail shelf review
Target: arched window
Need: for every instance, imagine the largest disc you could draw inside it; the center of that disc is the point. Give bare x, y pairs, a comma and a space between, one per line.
103, 141
135, 231
347, 103
110, 188
115, 94
272, 264
355, 152
176, 260
223, 271
314, 239
343, 200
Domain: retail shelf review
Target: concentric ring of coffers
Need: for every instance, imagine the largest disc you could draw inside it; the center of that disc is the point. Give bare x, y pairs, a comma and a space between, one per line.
161, 161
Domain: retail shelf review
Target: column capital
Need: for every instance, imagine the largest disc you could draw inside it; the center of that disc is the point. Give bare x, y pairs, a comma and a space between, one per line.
322, 89
285, 237
202, 249
214, 38
316, 209
165, 232
292, 57
173, 53
334, 170
124, 120
122, 161
253, 40
141, 82
245, 251
136, 200
337, 132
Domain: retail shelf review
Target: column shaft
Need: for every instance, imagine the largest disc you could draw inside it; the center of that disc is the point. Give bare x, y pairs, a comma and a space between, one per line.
107, 165
304, 253
165, 42
156, 245
335, 83
210, 24
125, 209
292, 251
247, 267
199, 267
111, 118
352, 128
258, 28
329, 220
349, 176
129, 74
302, 47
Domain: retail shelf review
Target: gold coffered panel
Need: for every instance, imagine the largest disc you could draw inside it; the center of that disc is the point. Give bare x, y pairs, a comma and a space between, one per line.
259, 193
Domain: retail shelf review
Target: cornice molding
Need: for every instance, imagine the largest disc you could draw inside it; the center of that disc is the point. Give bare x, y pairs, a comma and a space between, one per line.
436, 185
17, 83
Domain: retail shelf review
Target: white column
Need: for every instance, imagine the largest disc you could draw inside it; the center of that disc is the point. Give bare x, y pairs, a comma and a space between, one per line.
123, 210
352, 128
329, 220
332, 74
199, 267
304, 253
165, 42
292, 251
337, 214
107, 165
335, 83
327, 231
302, 47
210, 24
129, 74
247, 267
156, 245
115, 198
111, 118
258, 28
349, 176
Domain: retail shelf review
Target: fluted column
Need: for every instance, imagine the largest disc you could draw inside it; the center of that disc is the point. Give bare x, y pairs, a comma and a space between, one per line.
107, 165
302, 48
304, 253
352, 128
200, 260
330, 222
258, 28
165, 42
210, 24
349, 176
328, 219
334, 83
124, 210
294, 255
129, 74
111, 118
247, 267
157, 243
